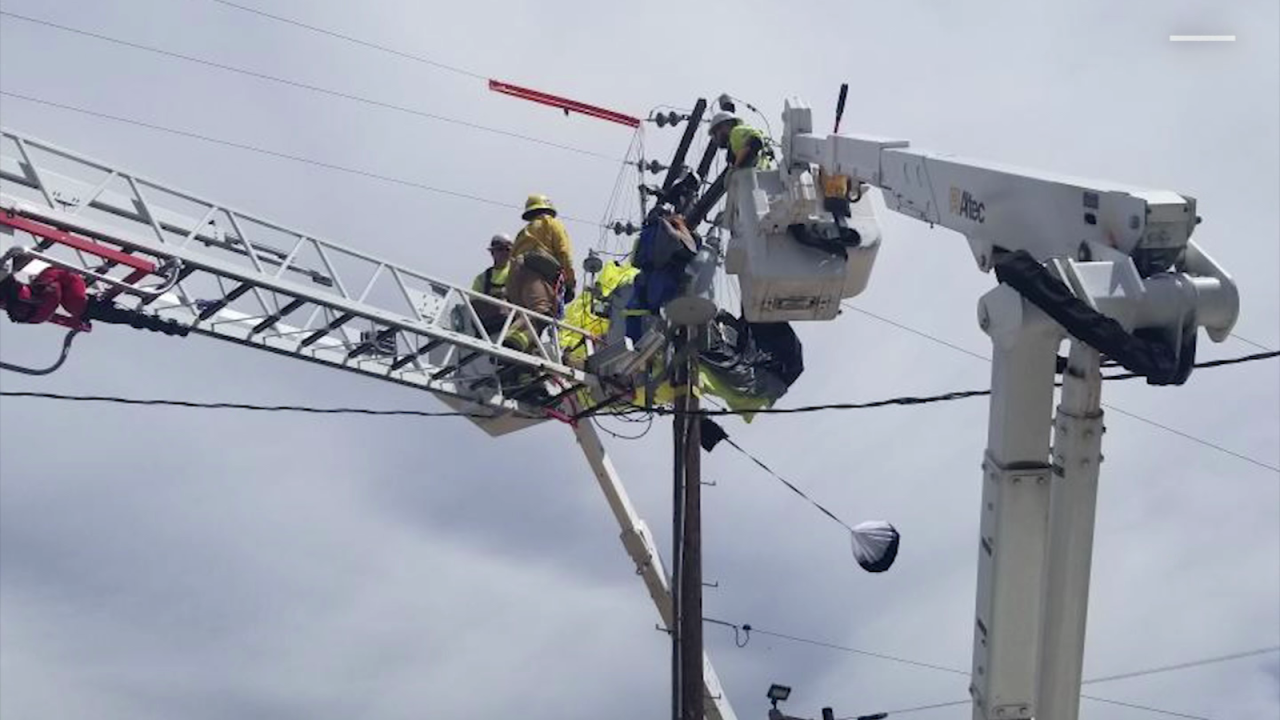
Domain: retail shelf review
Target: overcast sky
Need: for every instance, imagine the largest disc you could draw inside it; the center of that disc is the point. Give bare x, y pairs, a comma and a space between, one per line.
161, 563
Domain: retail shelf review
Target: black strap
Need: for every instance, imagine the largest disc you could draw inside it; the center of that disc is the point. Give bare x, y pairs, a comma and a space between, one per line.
1141, 353
489, 285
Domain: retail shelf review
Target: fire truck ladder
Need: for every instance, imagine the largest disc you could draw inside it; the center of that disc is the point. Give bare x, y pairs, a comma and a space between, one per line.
232, 276
255, 282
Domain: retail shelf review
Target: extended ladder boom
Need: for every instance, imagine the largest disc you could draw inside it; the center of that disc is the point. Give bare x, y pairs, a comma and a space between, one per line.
258, 283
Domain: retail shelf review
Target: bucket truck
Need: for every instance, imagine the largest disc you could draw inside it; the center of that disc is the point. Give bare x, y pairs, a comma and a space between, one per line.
1111, 269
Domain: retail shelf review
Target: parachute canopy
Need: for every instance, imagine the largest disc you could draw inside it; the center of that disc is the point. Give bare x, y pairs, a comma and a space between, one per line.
875, 545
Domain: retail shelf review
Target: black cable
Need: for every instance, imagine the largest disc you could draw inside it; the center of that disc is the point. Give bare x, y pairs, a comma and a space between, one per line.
620, 436
907, 400
304, 86
282, 155
355, 40
241, 406
1148, 421
944, 397
963, 394
784, 481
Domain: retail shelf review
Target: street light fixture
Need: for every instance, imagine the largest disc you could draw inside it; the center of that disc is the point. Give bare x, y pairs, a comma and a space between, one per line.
778, 693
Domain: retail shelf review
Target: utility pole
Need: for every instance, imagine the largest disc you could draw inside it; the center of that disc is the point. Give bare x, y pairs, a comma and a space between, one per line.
691, 566
679, 436
687, 690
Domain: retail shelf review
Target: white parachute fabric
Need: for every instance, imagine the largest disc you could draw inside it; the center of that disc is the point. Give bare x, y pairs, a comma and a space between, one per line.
875, 545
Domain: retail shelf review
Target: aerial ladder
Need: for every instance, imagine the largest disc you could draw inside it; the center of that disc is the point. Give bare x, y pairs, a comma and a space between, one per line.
161, 259
1110, 269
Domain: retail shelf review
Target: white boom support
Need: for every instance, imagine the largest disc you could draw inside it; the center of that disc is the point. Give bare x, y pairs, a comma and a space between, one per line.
1125, 253
239, 287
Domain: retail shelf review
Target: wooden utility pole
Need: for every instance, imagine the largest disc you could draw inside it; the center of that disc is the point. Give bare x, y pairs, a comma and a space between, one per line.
687, 688
691, 567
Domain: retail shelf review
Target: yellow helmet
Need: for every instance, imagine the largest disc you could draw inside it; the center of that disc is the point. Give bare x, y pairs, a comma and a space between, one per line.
536, 203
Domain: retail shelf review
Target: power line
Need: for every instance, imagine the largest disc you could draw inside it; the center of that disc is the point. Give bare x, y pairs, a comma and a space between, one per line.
1195, 439
1147, 708
921, 708
913, 331
355, 40
1268, 353
1185, 665
921, 400
278, 154
241, 406
305, 86
831, 407
917, 708
854, 651
749, 629
1247, 341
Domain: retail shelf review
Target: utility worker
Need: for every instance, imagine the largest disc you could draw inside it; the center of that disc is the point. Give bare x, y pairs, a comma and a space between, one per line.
493, 282
541, 261
746, 145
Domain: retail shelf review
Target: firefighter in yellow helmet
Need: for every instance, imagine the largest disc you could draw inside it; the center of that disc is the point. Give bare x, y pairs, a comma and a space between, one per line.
541, 261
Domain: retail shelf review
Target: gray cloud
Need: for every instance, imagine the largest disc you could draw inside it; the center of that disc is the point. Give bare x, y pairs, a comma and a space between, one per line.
161, 563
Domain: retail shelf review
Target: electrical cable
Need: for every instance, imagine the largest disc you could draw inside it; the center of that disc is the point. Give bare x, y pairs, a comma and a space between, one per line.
917, 708
913, 331
1214, 446
747, 630
307, 86
355, 40
241, 406
943, 397
1147, 708
619, 436
722, 412
920, 708
282, 155
792, 487
1185, 665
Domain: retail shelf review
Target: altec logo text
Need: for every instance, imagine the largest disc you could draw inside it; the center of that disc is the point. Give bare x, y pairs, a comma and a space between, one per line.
967, 206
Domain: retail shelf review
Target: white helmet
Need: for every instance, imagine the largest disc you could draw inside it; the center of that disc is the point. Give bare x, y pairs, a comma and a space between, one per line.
501, 240
720, 118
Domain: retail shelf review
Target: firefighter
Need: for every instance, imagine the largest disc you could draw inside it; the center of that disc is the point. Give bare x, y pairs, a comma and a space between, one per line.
493, 282
541, 275
745, 145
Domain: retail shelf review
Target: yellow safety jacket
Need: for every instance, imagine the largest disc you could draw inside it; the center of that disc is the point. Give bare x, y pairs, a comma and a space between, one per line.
740, 138
492, 282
